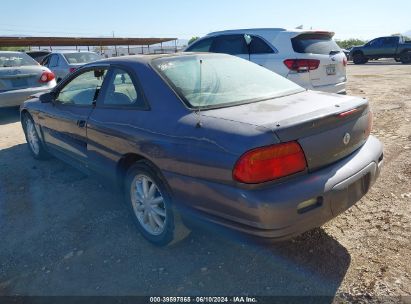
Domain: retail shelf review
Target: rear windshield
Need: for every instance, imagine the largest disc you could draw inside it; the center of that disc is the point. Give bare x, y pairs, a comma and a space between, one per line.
15, 60
74, 58
209, 81
315, 44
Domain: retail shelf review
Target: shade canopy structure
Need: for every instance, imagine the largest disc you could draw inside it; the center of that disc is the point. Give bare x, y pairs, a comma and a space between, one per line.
76, 41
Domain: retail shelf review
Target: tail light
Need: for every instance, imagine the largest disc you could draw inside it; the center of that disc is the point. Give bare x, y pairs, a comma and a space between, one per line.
302, 65
47, 76
345, 61
71, 70
269, 163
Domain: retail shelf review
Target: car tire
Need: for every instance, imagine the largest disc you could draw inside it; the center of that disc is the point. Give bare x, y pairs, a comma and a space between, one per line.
150, 202
405, 57
34, 142
359, 58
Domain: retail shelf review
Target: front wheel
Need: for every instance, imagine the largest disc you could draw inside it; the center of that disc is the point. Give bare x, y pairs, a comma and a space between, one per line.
150, 202
359, 58
33, 140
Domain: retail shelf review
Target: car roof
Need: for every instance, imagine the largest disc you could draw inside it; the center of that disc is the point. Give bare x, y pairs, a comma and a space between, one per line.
270, 31
146, 59
71, 52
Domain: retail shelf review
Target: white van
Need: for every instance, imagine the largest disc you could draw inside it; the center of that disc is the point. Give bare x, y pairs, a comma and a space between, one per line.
310, 58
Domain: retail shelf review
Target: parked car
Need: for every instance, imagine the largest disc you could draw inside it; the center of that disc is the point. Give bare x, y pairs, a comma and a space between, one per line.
38, 55
309, 58
347, 53
65, 62
383, 47
20, 77
209, 136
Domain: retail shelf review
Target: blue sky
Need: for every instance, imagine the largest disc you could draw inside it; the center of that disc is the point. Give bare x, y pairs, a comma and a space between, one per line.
184, 19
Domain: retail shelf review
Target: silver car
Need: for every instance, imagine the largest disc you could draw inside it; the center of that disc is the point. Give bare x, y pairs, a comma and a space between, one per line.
20, 77
65, 62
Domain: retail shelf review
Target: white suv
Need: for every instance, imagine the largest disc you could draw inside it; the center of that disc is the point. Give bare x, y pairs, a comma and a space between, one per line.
310, 58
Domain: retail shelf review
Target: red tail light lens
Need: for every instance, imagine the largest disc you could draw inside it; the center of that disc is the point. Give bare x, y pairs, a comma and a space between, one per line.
71, 70
345, 61
269, 163
47, 76
302, 65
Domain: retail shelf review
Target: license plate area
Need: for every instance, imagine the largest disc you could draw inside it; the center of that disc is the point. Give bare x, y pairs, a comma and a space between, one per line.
342, 199
331, 69
19, 82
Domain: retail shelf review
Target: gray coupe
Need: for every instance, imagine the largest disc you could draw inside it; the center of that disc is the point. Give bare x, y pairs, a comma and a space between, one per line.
209, 136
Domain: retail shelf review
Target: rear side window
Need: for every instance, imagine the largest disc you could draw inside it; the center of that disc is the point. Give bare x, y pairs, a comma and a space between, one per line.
203, 45
259, 46
230, 44
315, 44
54, 61
121, 90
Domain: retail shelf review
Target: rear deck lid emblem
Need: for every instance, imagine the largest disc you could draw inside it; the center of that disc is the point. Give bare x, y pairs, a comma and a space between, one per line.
347, 138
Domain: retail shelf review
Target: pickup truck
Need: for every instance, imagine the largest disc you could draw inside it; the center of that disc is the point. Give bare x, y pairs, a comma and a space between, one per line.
383, 47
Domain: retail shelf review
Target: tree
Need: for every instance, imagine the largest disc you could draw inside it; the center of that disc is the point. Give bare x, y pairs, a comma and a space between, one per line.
194, 38
348, 43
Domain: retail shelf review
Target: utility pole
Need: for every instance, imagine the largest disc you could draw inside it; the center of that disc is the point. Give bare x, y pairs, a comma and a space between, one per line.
115, 46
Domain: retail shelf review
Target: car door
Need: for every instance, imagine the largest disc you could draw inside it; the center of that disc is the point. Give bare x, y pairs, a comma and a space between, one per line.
389, 48
64, 122
373, 48
115, 124
231, 44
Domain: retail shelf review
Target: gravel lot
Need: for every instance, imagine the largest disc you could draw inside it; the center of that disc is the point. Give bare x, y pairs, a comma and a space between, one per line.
63, 233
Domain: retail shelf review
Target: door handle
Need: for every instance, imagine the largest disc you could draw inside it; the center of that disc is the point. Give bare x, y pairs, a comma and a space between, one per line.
81, 123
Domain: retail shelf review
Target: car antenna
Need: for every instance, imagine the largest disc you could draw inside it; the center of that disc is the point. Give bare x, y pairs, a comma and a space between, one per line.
199, 123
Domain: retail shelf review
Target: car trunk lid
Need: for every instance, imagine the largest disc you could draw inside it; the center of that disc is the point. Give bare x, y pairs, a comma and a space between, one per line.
319, 121
15, 78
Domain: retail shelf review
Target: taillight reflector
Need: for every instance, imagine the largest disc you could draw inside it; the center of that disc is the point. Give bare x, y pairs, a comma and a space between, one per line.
47, 76
269, 163
302, 65
347, 113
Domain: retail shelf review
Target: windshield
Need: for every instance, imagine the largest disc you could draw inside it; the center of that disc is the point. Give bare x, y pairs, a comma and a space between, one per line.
15, 60
315, 44
74, 58
218, 80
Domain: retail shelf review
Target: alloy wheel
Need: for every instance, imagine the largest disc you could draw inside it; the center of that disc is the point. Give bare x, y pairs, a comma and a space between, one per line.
148, 204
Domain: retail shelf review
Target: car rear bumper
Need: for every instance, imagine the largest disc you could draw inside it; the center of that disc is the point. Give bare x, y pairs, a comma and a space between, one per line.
338, 88
275, 211
17, 97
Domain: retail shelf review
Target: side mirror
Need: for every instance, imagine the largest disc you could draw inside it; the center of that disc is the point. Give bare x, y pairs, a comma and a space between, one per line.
47, 97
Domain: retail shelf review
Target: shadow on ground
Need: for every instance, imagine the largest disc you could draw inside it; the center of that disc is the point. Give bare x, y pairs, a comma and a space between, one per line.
64, 234
9, 115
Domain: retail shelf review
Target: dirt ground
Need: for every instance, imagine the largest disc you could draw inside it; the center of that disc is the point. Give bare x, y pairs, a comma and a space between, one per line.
63, 233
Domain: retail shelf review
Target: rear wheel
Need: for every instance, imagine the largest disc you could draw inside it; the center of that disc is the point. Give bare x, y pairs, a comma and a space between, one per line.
405, 57
33, 140
359, 58
149, 201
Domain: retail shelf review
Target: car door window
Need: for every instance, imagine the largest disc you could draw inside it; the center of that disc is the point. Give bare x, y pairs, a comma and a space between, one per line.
83, 89
259, 46
45, 61
230, 44
121, 90
376, 42
203, 45
54, 61
390, 41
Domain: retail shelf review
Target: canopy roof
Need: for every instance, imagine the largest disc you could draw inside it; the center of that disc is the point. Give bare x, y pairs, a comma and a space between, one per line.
74, 41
